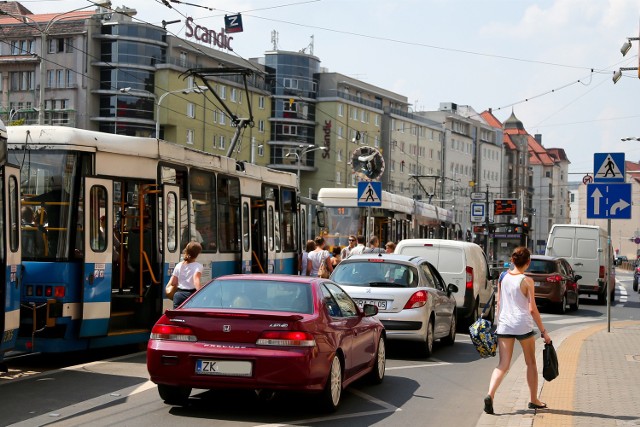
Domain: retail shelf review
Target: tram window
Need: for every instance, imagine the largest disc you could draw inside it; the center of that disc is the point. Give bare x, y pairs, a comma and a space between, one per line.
172, 221
202, 186
229, 210
245, 227
271, 227
13, 214
97, 203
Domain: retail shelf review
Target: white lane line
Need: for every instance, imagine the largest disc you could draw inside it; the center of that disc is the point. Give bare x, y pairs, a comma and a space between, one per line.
85, 406
573, 320
425, 365
388, 408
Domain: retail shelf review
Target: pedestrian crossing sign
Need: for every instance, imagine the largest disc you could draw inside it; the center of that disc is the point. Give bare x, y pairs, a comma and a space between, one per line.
608, 168
369, 193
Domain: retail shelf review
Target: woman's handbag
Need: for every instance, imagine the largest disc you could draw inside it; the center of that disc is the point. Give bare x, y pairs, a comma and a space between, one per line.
323, 271
170, 290
483, 334
550, 362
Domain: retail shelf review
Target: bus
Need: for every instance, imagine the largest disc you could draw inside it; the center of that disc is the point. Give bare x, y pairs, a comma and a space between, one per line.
10, 251
111, 217
503, 239
397, 218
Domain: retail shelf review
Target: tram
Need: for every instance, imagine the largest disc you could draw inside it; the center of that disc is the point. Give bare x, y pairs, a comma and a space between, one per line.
397, 218
10, 254
111, 215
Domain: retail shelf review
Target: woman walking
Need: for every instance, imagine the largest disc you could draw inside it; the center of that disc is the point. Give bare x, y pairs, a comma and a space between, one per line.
516, 313
317, 256
187, 273
304, 257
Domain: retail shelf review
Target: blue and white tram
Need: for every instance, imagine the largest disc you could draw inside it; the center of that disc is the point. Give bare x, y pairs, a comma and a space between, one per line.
112, 216
10, 256
397, 218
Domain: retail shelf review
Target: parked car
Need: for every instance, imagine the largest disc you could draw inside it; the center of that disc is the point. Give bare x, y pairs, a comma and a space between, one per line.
266, 333
462, 263
555, 282
414, 302
636, 274
620, 259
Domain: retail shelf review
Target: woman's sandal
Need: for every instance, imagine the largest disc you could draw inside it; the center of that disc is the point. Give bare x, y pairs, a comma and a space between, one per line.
534, 406
488, 405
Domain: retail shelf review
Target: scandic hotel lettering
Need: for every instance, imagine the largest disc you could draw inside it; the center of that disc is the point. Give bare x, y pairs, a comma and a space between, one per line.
205, 35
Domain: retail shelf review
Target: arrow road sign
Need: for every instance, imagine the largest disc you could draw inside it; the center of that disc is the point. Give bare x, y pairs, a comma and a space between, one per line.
609, 201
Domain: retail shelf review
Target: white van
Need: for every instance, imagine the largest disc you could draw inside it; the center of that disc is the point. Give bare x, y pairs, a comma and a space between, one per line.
462, 263
585, 248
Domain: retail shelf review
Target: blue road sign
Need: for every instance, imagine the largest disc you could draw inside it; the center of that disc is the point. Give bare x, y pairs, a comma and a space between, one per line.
609, 201
369, 193
608, 167
477, 212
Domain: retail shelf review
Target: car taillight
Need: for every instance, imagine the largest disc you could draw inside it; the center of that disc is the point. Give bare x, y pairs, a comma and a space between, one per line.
286, 339
417, 300
554, 279
469, 277
602, 272
637, 269
173, 333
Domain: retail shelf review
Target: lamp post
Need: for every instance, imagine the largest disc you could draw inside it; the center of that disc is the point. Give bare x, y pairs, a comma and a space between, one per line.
157, 101
300, 152
44, 33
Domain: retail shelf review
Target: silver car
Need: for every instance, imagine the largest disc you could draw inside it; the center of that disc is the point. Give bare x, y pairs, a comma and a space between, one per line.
413, 301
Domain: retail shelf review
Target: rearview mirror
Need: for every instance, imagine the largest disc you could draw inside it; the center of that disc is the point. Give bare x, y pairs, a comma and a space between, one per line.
451, 288
320, 218
370, 310
577, 277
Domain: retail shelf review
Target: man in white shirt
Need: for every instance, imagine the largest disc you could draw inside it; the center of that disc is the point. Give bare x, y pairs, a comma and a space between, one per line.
359, 248
346, 251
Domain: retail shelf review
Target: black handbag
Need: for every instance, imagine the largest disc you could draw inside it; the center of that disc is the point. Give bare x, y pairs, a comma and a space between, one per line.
550, 362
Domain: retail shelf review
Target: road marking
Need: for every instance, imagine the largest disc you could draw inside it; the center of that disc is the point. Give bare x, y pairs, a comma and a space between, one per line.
425, 365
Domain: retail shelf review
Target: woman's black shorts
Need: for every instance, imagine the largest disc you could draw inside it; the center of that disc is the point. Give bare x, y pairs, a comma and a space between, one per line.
518, 337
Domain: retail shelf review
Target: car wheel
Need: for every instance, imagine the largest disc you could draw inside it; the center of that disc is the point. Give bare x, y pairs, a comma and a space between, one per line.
562, 305
427, 344
173, 395
377, 372
451, 338
333, 389
576, 306
635, 284
602, 297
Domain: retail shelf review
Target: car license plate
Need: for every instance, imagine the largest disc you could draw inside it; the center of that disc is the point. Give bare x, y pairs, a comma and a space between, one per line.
381, 304
236, 368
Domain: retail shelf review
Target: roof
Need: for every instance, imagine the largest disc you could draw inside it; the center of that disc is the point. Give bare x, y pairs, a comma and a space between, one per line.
538, 155
29, 24
491, 119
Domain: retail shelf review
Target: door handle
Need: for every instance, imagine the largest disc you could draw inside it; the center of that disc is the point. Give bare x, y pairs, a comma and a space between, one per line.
578, 263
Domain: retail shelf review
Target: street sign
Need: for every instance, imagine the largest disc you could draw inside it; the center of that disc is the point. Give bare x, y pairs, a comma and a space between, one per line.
233, 23
477, 212
479, 196
609, 201
369, 193
608, 167
505, 207
587, 179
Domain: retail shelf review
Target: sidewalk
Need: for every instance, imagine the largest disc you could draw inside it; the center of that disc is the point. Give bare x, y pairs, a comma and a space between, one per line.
599, 382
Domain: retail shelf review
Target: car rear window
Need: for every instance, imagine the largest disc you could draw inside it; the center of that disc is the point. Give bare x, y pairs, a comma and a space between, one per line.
378, 274
539, 266
265, 295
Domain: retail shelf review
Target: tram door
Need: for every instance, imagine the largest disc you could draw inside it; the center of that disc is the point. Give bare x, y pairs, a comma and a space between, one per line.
98, 257
262, 236
11, 256
170, 215
247, 248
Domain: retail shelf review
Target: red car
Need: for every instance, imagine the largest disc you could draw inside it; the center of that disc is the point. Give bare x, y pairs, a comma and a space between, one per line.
266, 333
555, 282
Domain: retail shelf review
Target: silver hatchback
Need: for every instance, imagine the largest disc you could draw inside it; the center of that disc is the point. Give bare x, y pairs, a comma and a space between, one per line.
413, 301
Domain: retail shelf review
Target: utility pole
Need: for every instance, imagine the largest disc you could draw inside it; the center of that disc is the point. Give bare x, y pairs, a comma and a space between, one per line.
486, 221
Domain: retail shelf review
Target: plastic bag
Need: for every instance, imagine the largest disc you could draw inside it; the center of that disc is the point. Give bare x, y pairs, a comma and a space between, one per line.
550, 362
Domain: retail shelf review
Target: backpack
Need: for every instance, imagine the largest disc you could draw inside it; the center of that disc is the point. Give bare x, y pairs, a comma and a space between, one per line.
483, 334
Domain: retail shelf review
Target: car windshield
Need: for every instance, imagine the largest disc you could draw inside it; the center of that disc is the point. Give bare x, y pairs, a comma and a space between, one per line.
540, 266
267, 295
376, 274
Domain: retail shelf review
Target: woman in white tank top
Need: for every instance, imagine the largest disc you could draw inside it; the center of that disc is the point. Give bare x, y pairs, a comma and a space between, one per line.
516, 313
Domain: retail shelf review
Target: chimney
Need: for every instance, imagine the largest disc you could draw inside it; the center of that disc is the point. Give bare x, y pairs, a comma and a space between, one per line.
538, 137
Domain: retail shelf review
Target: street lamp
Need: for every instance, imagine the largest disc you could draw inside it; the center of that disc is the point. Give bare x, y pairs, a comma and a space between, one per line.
44, 48
302, 151
194, 89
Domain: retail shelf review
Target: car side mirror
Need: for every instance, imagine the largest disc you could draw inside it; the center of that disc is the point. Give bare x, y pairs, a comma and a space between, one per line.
451, 289
369, 310
577, 277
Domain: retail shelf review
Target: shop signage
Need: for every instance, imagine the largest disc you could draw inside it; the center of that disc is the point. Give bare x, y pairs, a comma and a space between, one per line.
204, 35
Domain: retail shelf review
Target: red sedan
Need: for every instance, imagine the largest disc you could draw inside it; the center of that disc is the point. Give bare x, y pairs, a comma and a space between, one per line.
266, 333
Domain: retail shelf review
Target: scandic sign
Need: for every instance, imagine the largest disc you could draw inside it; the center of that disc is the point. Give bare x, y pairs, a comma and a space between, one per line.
205, 35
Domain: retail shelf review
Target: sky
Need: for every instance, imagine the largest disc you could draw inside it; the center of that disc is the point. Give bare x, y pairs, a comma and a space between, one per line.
551, 62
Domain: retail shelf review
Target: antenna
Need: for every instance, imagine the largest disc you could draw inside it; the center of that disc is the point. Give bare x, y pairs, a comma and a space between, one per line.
274, 39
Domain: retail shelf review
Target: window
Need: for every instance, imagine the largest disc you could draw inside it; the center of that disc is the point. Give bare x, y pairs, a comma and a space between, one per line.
289, 221
340, 110
97, 235
22, 47
339, 156
60, 45
261, 102
202, 186
290, 83
183, 63
191, 82
22, 80
338, 177
221, 142
190, 136
261, 150
191, 110
222, 92
289, 130
337, 302
70, 75
236, 95
60, 78
222, 119
261, 126
339, 132
228, 192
